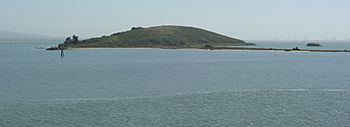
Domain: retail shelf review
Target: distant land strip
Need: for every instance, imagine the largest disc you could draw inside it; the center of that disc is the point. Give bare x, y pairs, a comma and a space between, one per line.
275, 49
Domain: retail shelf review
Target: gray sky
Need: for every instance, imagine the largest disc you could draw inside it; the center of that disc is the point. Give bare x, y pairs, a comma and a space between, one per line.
244, 19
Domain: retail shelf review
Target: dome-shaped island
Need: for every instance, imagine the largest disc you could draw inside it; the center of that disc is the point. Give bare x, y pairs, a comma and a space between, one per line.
314, 44
159, 37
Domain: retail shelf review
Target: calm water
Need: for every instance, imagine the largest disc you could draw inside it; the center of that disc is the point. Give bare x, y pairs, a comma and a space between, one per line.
155, 87
338, 45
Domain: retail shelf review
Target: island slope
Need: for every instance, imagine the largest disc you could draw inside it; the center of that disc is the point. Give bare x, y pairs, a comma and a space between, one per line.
159, 37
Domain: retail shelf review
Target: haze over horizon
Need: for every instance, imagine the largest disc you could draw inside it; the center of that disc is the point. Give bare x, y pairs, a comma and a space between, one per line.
248, 20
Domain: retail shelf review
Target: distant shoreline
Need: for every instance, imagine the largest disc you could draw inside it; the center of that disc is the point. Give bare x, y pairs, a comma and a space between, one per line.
219, 48
278, 49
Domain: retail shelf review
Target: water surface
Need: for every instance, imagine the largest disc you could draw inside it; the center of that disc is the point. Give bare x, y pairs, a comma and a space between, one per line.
157, 87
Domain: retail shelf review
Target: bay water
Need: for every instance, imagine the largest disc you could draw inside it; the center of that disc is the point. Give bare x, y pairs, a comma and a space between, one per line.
167, 87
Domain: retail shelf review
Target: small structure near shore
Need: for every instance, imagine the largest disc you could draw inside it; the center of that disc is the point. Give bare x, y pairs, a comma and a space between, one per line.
296, 48
69, 40
62, 53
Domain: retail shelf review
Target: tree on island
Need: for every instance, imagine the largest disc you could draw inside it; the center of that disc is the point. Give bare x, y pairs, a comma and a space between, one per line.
75, 38
136, 28
72, 39
68, 40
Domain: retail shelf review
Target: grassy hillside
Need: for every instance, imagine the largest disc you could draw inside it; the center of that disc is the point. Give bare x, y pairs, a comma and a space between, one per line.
160, 37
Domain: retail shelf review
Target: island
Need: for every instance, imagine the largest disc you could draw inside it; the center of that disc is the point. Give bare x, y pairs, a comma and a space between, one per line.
313, 44
173, 37
169, 37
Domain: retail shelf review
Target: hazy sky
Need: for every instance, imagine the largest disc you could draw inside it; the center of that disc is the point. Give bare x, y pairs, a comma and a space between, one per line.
245, 19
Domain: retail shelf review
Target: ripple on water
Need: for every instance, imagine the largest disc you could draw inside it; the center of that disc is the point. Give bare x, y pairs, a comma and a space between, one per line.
282, 107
